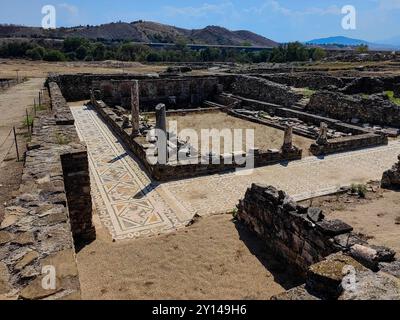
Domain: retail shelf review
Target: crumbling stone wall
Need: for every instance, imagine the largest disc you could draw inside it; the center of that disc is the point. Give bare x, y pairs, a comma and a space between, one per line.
264, 90
373, 109
343, 144
391, 177
165, 172
76, 87
7, 83
39, 229
318, 248
297, 234
316, 81
371, 85
186, 92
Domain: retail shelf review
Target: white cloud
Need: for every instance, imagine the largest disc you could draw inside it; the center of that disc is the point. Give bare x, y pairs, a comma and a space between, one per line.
71, 9
276, 7
201, 11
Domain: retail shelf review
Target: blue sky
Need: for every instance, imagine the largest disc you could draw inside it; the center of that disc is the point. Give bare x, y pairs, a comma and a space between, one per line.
280, 20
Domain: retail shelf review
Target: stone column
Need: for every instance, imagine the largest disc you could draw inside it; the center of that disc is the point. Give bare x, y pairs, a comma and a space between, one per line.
323, 134
92, 98
161, 117
135, 104
288, 139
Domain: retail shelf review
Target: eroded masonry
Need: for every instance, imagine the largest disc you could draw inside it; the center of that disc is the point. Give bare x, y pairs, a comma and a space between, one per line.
293, 115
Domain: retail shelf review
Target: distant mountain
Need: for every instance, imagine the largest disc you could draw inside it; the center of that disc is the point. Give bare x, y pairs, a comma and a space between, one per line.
345, 41
143, 31
340, 40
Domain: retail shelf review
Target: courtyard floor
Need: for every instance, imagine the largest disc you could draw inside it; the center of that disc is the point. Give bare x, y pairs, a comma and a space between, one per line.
265, 137
131, 205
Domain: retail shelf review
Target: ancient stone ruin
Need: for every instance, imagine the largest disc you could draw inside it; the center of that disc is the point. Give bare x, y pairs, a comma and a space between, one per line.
297, 115
391, 178
323, 251
52, 214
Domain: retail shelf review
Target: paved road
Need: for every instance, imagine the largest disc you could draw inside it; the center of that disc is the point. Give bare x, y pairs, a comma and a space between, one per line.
13, 103
131, 205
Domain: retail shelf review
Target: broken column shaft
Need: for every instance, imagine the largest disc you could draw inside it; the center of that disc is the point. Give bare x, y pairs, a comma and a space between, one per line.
288, 139
161, 117
135, 104
323, 134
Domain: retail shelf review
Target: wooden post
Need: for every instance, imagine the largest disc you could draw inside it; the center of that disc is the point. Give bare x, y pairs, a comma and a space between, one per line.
34, 106
16, 143
40, 98
27, 119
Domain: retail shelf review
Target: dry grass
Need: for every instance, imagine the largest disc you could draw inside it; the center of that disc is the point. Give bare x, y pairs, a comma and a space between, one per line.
40, 69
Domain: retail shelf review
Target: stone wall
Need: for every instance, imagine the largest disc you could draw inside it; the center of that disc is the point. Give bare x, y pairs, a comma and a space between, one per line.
372, 109
349, 143
391, 177
187, 92
264, 90
297, 234
7, 83
76, 87
317, 247
310, 80
371, 85
46, 219
165, 172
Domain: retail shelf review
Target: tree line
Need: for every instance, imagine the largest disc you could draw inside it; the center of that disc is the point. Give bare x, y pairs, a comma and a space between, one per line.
80, 49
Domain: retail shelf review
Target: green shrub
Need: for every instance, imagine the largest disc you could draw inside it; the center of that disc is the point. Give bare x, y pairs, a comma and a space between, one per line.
28, 121
392, 98
54, 55
359, 189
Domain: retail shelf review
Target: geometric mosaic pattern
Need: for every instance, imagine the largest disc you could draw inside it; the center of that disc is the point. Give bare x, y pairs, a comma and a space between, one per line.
126, 199
132, 205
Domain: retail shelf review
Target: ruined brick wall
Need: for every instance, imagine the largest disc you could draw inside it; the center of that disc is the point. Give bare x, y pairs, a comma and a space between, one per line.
373, 109
264, 90
188, 92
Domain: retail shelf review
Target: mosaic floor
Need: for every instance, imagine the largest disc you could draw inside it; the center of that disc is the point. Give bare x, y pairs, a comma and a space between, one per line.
131, 205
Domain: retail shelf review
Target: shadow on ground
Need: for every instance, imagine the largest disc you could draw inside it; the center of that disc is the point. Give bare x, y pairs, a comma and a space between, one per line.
283, 273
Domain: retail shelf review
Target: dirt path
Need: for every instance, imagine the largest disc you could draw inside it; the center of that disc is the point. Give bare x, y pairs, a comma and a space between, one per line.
13, 103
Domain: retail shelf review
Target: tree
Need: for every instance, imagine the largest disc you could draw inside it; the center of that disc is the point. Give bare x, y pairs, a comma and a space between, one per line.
82, 52
363, 48
278, 54
36, 53
154, 57
99, 51
318, 54
73, 43
54, 55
